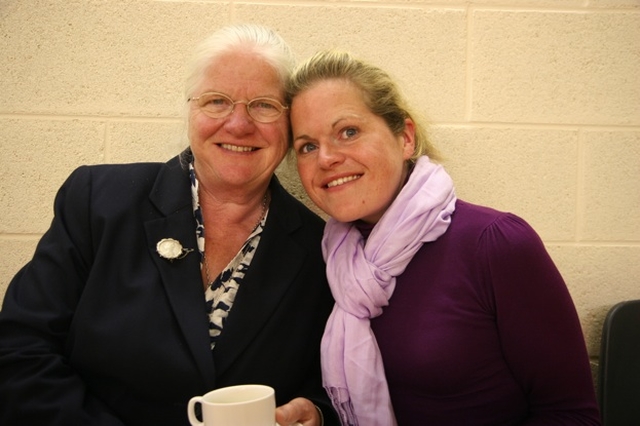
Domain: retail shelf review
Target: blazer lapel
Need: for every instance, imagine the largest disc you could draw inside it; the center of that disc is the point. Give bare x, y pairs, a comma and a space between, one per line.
265, 281
181, 278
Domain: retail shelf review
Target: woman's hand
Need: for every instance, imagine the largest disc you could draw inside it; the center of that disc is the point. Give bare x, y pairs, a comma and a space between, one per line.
299, 410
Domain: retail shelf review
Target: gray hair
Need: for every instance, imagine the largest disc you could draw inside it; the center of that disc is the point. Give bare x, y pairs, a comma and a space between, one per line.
260, 40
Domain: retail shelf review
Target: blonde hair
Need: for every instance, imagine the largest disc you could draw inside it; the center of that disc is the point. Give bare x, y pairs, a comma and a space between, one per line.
380, 93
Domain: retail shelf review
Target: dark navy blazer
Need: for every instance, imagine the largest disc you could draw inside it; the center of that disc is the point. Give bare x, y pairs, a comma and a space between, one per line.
98, 329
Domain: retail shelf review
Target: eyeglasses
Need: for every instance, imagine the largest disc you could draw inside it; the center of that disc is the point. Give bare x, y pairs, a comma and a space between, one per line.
219, 105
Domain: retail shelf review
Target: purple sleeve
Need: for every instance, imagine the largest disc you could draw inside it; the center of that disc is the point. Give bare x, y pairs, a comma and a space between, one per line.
539, 329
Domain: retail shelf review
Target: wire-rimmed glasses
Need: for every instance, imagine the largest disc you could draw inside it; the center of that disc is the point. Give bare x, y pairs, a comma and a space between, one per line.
219, 105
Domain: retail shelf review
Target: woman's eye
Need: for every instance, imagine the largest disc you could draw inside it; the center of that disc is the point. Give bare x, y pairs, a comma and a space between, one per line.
214, 101
349, 132
307, 148
264, 105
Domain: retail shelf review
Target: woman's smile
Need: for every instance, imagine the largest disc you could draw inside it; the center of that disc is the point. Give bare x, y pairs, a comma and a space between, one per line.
237, 148
342, 181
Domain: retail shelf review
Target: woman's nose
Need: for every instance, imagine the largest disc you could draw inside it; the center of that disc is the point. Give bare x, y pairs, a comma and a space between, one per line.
239, 118
329, 155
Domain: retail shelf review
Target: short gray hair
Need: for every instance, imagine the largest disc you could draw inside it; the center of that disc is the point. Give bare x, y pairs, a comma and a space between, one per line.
260, 40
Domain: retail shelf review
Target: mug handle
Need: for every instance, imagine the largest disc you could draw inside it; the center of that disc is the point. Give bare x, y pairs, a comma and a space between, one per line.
191, 413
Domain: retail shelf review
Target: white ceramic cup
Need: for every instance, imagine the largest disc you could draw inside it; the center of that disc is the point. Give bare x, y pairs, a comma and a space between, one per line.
242, 405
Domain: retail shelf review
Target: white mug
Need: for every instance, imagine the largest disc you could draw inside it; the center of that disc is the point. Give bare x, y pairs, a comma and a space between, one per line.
242, 405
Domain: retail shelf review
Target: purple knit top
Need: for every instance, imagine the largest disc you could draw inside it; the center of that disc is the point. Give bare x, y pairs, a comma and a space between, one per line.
481, 330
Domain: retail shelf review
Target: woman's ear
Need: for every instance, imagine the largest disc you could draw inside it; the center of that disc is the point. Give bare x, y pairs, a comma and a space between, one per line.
408, 136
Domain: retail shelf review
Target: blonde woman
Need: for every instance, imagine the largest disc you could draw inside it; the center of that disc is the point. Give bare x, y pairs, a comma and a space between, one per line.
447, 313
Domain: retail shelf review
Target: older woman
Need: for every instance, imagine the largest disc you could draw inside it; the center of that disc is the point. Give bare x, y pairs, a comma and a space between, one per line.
447, 313
158, 282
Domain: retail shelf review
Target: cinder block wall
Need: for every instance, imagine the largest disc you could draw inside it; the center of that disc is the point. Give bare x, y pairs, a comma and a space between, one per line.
535, 103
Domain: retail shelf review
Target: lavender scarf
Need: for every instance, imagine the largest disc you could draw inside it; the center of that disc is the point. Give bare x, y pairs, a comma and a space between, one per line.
362, 279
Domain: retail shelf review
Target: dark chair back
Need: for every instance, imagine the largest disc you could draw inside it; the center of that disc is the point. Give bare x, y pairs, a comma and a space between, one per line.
619, 367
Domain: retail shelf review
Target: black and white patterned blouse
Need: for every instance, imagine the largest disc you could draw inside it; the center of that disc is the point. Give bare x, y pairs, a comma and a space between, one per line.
221, 293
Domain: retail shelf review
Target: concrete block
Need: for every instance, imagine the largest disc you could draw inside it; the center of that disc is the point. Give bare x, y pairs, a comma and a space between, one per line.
529, 172
555, 67
425, 49
130, 142
105, 58
610, 186
37, 157
598, 277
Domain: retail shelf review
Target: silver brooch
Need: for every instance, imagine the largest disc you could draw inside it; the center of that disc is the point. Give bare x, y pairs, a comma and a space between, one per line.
171, 249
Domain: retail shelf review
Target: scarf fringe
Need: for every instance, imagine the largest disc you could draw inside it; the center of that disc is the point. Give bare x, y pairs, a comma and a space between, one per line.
343, 407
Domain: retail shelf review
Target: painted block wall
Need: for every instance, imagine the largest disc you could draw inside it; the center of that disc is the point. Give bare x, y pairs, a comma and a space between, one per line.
535, 104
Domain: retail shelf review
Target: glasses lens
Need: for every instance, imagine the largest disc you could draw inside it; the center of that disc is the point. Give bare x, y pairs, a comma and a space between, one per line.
264, 109
215, 104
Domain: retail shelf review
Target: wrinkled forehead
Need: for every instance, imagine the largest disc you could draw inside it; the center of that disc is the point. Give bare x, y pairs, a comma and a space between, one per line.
241, 73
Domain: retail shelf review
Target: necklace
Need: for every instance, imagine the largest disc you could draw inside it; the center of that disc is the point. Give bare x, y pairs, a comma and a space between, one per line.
204, 252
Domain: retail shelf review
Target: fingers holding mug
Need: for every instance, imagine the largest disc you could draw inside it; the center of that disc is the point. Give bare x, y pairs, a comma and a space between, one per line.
298, 412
